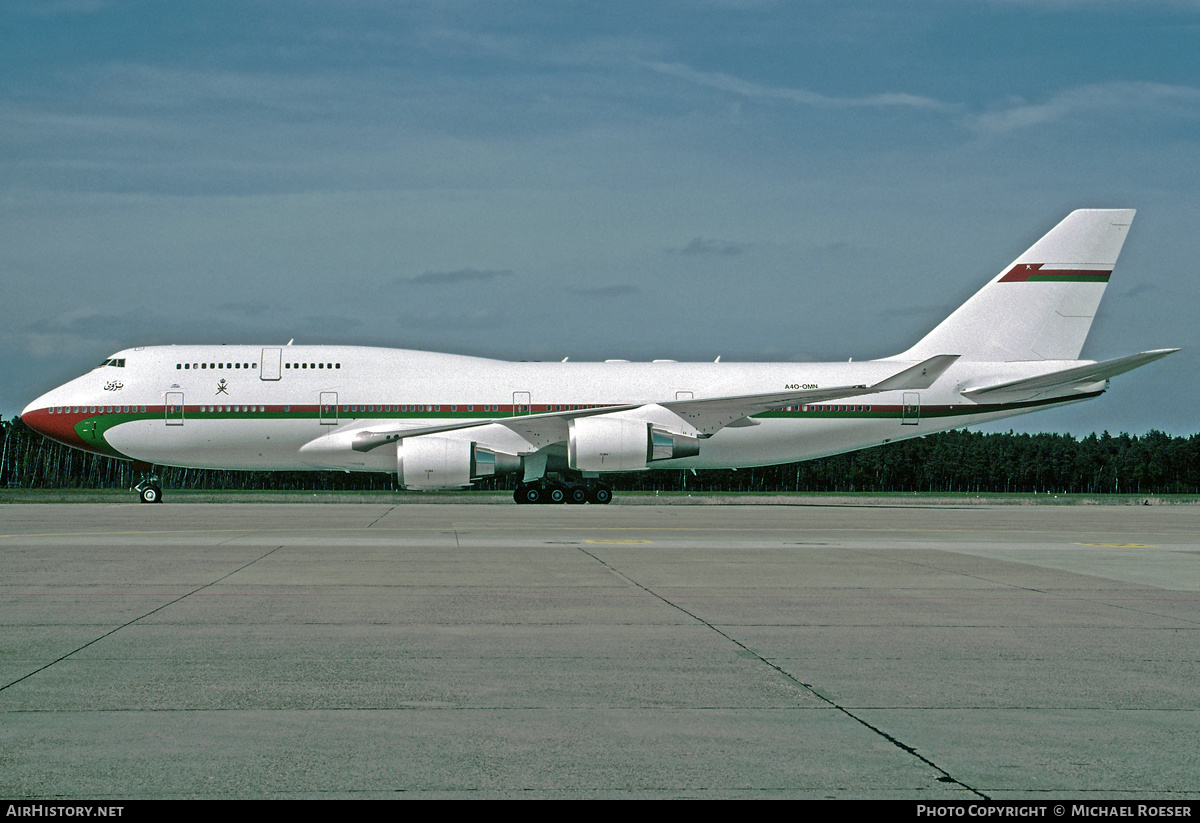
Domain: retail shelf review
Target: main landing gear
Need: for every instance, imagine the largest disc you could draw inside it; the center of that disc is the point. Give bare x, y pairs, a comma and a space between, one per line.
149, 487
549, 491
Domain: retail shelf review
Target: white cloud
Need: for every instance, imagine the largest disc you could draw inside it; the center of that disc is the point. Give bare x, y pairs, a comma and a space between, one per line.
744, 88
1091, 102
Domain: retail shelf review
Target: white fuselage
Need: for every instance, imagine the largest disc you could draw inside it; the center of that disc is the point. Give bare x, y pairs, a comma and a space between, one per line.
254, 407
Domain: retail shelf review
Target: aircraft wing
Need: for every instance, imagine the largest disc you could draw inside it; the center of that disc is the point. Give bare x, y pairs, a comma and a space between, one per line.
539, 429
706, 415
710, 415
1076, 378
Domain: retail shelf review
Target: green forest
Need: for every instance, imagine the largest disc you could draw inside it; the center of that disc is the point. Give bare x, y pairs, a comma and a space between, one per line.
955, 461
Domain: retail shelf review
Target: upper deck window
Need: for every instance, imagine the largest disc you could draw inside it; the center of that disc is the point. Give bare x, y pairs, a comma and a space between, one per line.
311, 365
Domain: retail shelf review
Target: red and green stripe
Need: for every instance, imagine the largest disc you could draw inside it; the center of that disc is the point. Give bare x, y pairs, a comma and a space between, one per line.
1035, 273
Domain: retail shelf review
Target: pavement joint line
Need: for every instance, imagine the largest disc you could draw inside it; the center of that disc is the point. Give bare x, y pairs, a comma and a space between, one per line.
957, 572
1111, 602
380, 517
946, 777
156, 609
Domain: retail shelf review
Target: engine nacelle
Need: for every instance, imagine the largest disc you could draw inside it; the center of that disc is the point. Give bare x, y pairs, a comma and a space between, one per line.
432, 462
615, 444
665, 445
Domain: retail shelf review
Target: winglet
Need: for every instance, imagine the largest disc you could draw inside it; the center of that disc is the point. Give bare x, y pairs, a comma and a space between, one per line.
921, 376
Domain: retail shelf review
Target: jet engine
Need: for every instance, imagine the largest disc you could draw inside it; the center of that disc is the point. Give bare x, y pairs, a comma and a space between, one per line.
612, 444
431, 462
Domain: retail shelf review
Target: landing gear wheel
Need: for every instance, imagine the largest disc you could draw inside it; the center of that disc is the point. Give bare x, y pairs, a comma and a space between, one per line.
600, 495
577, 494
149, 487
555, 494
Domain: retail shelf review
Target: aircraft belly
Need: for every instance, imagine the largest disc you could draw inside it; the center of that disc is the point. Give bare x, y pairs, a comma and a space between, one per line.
216, 444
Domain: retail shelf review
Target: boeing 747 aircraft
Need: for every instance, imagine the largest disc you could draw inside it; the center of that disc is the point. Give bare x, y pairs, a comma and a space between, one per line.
442, 421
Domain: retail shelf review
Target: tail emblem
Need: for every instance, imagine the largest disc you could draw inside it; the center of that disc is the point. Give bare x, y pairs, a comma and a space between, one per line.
1034, 273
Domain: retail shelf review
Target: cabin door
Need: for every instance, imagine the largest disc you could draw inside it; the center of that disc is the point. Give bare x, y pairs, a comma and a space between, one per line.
522, 403
329, 409
174, 408
910, 412
272, 364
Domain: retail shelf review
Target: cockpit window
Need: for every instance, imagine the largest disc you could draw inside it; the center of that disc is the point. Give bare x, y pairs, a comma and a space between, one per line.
119, 362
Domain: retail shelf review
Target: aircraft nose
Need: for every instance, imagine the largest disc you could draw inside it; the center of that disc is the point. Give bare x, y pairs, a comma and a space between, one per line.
55, 422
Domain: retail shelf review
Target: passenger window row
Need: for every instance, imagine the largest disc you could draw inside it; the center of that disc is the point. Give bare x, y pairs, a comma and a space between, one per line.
216, 365
96, 409
420, 407
829, 408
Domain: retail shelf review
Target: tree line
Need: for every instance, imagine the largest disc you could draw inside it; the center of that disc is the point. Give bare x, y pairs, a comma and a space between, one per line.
955, 461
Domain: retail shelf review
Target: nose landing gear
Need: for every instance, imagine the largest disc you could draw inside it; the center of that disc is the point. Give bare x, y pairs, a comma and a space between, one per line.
149, 487
150, 494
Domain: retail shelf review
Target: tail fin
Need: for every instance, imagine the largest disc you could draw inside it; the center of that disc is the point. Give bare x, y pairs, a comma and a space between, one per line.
1042, 305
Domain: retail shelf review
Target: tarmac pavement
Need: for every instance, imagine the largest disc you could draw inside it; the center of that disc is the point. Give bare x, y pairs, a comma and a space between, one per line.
379, 650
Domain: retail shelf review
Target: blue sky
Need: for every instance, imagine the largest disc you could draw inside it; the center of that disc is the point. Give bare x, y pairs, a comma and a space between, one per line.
756, 180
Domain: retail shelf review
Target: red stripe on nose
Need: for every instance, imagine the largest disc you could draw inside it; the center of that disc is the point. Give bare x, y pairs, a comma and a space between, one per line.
58, 426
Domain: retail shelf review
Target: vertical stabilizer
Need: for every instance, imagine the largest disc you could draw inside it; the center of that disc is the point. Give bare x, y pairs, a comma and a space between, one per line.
1041, 306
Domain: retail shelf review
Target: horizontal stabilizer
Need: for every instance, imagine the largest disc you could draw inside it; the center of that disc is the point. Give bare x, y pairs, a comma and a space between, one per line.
1073, 377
